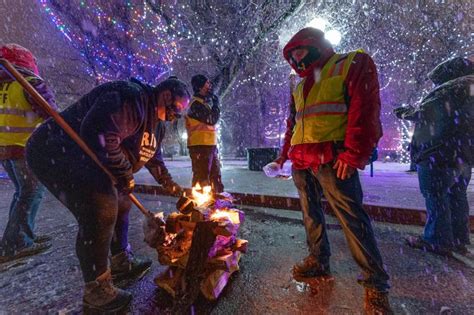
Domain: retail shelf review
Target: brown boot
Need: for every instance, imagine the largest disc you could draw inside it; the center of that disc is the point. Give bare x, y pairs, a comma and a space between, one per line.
126, 265
376, 303
311, 267
101, 295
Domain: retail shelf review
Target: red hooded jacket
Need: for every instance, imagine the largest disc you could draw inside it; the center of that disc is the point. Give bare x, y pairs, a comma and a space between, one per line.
361, 87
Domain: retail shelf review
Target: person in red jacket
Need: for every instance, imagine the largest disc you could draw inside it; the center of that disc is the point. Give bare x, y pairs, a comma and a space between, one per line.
333, 127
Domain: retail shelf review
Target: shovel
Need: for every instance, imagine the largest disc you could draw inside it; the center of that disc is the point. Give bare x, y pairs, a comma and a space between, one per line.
150, 217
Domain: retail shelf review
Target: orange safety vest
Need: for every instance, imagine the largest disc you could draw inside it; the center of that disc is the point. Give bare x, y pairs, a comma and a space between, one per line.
17, 118
200, 133
322, 116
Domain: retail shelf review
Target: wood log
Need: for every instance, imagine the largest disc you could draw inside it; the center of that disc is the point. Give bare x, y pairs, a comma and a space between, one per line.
240, 245
225, 262
172, 223
170, 280
203, 239
185, 205
216, 280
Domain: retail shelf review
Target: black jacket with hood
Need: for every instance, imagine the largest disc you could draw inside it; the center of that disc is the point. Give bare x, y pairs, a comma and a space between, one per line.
119, 123
444, 122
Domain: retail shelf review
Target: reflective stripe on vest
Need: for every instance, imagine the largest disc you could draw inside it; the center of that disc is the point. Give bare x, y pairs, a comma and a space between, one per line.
17, 119
200, 133
322, 116
14, 111
17, 129
322, 109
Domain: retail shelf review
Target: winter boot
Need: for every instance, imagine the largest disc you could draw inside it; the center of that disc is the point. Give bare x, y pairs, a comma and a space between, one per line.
420, 243
376, 302
461, 249
311, 267
100, 296
7, 255
43, 238
126, 265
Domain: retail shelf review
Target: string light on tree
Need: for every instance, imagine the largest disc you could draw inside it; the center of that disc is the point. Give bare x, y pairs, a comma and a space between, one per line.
117, 42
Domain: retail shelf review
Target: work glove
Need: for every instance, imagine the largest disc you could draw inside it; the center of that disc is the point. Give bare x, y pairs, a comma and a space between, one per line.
125, 184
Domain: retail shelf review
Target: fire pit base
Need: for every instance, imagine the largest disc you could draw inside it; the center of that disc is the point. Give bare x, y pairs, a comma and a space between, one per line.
201, 249
215, 279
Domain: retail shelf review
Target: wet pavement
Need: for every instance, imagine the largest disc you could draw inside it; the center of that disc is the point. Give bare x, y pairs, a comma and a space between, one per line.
421, 282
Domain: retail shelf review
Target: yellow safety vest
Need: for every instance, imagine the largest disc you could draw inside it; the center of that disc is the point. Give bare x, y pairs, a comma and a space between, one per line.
200, 133
17, 118
322, 116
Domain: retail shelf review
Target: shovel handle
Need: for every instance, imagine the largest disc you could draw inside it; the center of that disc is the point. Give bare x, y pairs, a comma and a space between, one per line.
63, 124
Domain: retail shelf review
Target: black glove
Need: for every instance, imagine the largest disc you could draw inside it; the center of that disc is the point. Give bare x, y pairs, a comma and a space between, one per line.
215, 100
125, 184
173, 188
401, 111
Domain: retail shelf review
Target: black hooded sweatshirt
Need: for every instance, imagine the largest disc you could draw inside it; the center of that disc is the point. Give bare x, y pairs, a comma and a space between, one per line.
118, 121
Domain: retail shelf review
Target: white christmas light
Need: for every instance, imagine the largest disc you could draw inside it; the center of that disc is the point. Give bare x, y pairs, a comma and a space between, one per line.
333, 36
318, 23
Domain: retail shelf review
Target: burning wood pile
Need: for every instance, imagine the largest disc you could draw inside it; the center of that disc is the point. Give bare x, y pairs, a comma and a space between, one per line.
199, 244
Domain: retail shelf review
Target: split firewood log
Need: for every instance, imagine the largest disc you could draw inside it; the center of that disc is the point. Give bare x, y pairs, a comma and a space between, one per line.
203, 239
216, 280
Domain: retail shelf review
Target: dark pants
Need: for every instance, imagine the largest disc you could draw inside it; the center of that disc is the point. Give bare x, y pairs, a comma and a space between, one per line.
345, 198
206, 167
445, 192
101, 213
310, 193
23, 208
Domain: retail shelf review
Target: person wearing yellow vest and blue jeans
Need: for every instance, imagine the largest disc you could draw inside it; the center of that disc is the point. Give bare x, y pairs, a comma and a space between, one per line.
19, 116
201, 120
333, 127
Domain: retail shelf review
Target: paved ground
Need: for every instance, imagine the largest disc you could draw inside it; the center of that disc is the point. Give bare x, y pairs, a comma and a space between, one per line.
391, 185
421, 282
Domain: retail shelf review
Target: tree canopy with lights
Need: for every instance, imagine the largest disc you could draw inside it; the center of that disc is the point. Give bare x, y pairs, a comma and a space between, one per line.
238, 45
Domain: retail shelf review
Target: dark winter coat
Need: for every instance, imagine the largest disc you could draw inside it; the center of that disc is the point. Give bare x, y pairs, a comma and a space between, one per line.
208, 115
118, 121
444, 121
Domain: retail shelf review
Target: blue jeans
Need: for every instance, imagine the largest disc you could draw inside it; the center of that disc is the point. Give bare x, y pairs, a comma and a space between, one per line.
24, 206
445, 192
345, 198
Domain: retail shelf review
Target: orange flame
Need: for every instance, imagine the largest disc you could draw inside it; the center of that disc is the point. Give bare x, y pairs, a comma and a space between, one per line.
201, 196
232, 216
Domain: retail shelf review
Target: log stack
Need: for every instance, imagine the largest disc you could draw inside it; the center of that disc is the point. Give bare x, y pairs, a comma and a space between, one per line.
199, 244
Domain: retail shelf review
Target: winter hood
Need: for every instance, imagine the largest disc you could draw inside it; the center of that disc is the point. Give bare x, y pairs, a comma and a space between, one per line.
451, 69
308, 37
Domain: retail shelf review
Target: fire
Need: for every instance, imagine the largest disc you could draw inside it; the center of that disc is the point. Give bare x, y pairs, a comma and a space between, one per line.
201, 196
232, 216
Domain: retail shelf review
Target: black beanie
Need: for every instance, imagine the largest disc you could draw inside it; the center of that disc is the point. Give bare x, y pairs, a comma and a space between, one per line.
198, 82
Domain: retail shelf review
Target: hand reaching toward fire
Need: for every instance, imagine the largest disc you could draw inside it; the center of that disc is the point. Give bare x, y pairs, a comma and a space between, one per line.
174, 188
